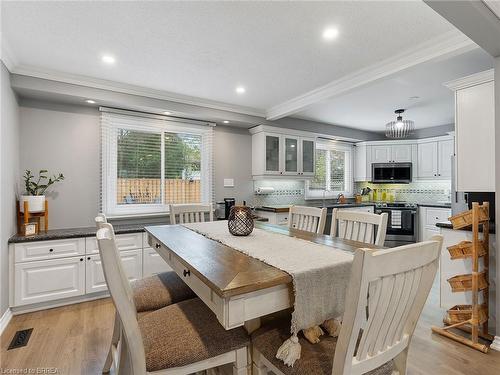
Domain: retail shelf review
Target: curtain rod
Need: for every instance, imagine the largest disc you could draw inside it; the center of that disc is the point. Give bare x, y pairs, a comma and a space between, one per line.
157, 116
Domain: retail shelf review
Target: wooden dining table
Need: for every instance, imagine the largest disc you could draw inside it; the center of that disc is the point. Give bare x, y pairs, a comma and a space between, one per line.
239, 289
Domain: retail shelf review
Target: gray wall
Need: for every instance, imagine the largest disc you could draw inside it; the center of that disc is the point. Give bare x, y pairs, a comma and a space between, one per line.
65, 138
9, 170
435, 131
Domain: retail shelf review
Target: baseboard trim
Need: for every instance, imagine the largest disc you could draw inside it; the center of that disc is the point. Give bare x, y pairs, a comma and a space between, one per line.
495, 345
5, 319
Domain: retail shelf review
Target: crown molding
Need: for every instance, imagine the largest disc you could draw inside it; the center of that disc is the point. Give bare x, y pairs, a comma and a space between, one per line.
125, 88
471, 80
448, 44
6, 55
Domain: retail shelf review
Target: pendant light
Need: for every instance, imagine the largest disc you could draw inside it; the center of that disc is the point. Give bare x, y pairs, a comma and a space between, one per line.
399, 128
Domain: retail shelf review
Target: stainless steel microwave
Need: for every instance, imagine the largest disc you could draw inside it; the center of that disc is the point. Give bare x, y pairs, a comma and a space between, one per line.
392, 173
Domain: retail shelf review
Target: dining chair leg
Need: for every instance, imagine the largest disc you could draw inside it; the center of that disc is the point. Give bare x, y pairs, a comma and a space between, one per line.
258, 367
241, 365
124, 364
114, 344
400, 362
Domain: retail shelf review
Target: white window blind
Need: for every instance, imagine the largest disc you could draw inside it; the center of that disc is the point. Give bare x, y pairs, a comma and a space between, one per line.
149, 162
333, 174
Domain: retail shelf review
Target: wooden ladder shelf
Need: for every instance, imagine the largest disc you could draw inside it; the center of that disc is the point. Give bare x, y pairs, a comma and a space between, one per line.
471, 319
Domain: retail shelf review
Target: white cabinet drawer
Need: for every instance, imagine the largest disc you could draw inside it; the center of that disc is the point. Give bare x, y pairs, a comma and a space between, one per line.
49, 249
48, 280
95, 281
153, 263
282, 218
436, 215
131, 241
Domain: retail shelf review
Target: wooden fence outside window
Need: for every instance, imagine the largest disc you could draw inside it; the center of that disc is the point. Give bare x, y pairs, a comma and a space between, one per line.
148, 191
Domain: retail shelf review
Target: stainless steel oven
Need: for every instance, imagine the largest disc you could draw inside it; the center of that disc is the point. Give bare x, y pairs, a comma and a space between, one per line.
401, 224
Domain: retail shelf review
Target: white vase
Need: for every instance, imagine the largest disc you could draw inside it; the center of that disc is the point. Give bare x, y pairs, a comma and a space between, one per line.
36, 203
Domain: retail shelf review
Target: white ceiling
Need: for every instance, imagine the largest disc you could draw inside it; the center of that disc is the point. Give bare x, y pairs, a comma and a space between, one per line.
372, 106
205, 49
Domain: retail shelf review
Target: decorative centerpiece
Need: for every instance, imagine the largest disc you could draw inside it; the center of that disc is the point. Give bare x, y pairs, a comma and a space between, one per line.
240, 221
35, 189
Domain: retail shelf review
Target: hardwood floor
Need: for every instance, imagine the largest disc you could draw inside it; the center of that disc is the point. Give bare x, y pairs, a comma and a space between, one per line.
74, 340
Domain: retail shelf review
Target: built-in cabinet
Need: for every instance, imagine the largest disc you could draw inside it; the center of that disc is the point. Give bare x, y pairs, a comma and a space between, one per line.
281, 154
51, 271
391, 153
475, 131
430, 157
435, 159
428, 218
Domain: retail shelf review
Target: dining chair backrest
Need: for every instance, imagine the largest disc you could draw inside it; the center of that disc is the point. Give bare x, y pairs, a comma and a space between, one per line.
387, 292
121, 294
100, 219
359, 226
309, 219
190, 213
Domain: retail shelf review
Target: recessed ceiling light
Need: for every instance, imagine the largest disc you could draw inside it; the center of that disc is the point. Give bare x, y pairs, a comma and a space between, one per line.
108, 59
225, 122
240, 90
167, 113
90, 101
330, 33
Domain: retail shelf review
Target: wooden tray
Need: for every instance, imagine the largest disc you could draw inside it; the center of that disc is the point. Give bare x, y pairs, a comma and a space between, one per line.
464, 219
463, 283
463, 250
462, 313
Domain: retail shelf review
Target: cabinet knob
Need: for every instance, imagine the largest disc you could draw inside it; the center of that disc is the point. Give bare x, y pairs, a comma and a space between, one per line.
81, 259
435, 174
51, 250
186, 273
157, 245
281, 172
439, 174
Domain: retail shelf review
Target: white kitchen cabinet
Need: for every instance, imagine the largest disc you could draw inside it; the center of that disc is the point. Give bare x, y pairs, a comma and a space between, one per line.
434, 159
446, 149
427, 162
153, 263
278, 218
475, 132
392, 153
47, 280
30, 251
428, 217
282, 155
308, 160
95, 282
124, 242
362, 163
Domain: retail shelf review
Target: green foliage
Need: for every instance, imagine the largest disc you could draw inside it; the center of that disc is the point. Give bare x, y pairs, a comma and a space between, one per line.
139, 155
42, 183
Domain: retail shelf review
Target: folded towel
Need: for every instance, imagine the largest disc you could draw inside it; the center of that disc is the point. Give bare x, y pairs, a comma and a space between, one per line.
396, 219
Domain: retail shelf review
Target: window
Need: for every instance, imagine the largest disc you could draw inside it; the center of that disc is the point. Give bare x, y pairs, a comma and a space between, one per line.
149, 162
333, 174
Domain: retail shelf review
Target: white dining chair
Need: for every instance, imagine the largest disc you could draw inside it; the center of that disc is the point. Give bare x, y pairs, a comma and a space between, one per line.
149, 293
387, 292
182, 338
359, 226
190, 213
309, 219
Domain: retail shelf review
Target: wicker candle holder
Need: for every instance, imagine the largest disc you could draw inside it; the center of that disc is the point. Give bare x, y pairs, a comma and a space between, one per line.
240, 221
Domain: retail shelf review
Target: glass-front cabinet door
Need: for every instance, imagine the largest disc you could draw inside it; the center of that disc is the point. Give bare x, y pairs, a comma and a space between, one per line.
291, 152
307, 151
273, 149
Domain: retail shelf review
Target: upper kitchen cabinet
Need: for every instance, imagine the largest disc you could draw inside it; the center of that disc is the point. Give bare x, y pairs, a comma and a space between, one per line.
434, 158
290, 154
392, 153
475, 132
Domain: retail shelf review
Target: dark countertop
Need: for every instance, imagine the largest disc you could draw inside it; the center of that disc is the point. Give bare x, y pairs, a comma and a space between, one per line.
59, 234
448, 225
284, 208
437, 205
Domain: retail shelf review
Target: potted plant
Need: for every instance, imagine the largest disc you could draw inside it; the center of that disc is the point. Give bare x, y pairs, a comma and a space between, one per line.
35, 190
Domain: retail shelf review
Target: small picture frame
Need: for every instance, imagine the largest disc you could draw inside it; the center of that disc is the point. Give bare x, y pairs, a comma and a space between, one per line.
29, 229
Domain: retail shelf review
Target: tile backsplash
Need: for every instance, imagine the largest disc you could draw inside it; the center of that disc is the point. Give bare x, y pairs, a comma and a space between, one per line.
418, 192
292, 191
